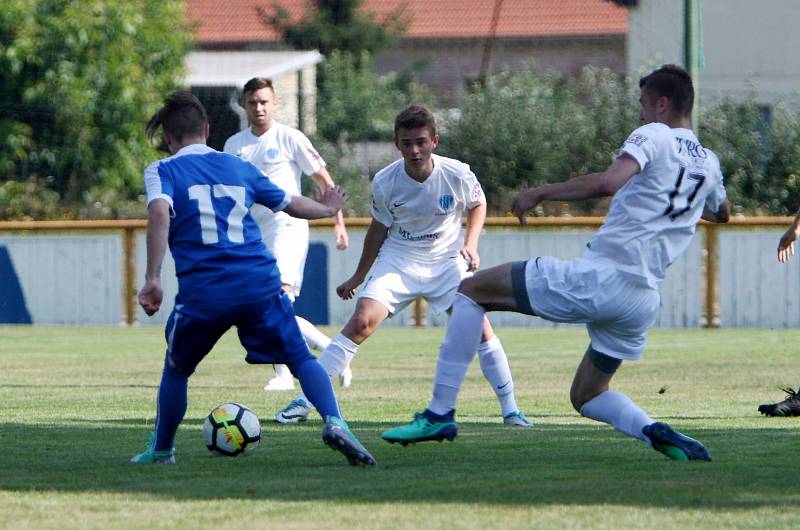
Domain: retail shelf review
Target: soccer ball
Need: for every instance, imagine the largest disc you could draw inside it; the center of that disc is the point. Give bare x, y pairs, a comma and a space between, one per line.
231, 430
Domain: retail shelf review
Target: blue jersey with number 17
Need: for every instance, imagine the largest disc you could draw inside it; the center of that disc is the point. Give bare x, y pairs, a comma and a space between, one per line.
219, 256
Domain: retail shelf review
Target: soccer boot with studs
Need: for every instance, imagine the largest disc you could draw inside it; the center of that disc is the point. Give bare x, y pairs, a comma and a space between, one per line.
674, 445
517, 419
295, 412
151, 456
337, 435
423, 429
788, 407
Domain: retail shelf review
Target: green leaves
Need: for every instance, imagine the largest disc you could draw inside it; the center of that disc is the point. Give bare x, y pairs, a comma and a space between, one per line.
80, 79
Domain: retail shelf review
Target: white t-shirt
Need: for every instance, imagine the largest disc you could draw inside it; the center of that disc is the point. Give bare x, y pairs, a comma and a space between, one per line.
424, 218
284, 154
652, 218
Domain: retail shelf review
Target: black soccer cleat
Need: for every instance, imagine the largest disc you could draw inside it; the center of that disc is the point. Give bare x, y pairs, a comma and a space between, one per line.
674, 445
788, 407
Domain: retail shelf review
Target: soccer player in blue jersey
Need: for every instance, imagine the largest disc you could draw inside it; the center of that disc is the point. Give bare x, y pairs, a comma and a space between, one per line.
199, 201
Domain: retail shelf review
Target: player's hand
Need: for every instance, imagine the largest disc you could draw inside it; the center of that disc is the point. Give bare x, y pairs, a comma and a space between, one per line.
786, 244
334, 198
472, 257
150, 297
342, 241
347, 289
525, 201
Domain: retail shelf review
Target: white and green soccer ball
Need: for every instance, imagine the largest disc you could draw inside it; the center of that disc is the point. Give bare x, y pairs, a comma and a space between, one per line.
232, 430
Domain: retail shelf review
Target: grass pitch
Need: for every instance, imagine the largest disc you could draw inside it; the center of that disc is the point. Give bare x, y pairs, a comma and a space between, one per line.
78, 402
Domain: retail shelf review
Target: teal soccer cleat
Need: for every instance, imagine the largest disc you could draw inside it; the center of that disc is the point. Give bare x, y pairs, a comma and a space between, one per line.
337, 435
422, 429
150, 456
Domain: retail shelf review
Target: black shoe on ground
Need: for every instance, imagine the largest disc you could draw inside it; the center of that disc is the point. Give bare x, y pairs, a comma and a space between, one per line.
788, 407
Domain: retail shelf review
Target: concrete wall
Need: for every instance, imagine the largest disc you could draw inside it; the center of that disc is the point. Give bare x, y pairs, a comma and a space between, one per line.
448, 65
78, 279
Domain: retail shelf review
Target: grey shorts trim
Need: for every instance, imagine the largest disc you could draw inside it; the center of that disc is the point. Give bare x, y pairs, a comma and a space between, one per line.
603, 362
521, 298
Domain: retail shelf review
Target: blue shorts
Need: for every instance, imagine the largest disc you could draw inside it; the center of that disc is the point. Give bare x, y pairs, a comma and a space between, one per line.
267, 330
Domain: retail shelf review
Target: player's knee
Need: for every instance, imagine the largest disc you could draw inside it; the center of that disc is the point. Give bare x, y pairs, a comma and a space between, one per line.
470, 288
359, 327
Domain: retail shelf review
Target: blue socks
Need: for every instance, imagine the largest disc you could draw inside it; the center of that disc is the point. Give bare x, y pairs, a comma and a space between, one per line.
316, 384
171, 406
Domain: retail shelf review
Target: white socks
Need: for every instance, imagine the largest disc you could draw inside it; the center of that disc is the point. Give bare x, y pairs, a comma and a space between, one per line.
619, 411
282, 371
494, 365
336, 357
315, 339
460, 342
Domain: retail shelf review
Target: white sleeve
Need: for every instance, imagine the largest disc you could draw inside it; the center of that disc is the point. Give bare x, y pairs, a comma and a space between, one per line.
380, 212
641, 145
153, 185
473, 190
229, 147
305, 156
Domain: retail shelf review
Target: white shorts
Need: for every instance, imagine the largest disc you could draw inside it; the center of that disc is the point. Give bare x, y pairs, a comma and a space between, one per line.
396, 281
286, 238
618, 309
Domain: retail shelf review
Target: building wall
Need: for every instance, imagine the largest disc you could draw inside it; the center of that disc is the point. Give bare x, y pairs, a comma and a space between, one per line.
748, 46
449, 65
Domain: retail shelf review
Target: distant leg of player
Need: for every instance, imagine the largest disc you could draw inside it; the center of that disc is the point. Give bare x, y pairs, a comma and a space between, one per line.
791, 405
316, 340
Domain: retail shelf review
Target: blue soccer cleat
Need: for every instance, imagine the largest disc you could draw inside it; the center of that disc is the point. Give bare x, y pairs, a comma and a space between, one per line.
673, 444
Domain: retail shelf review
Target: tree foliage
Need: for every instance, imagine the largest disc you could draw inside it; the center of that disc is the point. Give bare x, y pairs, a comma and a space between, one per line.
80, 78
759, 150
337, 25
357, 105
529, 128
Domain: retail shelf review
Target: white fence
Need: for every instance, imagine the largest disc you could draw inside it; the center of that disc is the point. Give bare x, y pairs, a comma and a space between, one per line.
86, 278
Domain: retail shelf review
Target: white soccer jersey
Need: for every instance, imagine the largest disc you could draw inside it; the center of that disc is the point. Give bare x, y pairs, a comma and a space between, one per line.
284, 154
652, 218
424, 218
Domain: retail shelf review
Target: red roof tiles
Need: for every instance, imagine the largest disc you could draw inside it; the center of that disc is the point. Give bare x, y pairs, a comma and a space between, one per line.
238, 20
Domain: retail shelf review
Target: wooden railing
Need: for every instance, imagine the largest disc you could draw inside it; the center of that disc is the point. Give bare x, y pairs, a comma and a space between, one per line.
128, 229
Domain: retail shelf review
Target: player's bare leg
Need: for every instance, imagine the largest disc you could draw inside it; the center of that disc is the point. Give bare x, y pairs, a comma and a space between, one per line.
590, 395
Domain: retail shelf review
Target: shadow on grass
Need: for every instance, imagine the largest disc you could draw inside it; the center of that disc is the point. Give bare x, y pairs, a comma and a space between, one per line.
487, 464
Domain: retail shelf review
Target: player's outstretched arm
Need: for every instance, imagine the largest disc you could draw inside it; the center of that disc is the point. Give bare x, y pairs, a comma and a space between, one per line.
329, 204
786, 244
373, 241
587, 186
323, 181
475, 219
151, 295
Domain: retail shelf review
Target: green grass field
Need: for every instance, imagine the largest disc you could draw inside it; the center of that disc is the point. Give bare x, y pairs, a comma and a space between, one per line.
78, 402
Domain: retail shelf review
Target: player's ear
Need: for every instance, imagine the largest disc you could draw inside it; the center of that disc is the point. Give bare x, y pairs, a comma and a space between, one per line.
206, 131
435, 140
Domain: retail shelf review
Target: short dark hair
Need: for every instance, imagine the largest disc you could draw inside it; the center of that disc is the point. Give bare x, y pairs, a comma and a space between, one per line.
257, 83
415, 117
672, 82
182, 115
